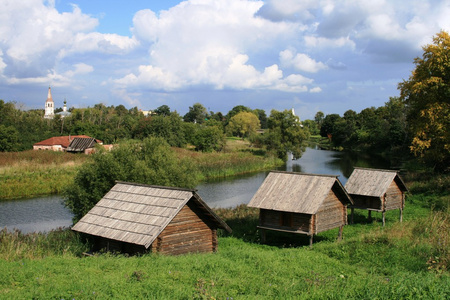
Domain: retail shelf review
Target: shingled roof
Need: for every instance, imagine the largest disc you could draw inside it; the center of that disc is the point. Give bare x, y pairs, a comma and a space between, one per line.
138, 213
297, 192
372, 182
80, 144
64, 141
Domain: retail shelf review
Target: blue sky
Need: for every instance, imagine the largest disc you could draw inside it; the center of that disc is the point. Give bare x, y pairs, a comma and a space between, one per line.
310, 55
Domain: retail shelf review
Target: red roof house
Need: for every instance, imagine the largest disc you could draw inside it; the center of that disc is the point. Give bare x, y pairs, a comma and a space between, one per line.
59, 143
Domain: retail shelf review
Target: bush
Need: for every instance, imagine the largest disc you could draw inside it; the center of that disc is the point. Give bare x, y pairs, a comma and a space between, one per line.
151, 161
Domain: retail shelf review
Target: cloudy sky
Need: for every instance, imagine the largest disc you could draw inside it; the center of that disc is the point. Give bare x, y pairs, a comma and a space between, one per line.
310, 55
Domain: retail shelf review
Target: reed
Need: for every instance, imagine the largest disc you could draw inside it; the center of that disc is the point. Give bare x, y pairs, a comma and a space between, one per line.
217, 165
34, 173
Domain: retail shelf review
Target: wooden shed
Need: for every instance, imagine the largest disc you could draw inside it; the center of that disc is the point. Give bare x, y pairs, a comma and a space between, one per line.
301, 203
136, 218
376, 190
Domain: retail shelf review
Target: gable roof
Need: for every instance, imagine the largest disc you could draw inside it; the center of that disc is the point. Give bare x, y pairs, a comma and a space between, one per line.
138, 213
79, 144
64, 141
297, 192
372, 182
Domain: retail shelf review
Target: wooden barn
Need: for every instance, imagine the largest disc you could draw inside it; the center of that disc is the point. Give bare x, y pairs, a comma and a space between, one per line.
136, 218
301, 203
376, 190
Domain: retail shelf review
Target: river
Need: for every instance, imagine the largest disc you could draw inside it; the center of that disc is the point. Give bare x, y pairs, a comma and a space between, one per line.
47, 213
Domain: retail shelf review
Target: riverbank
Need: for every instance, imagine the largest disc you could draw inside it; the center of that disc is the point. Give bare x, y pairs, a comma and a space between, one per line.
36, 173
398, 261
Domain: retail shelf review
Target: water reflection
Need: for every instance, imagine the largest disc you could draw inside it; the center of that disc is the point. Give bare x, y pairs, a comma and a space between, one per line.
34, 215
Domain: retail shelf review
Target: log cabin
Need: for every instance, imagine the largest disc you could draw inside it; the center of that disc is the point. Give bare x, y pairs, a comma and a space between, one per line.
301, 203
136, 218
376, 190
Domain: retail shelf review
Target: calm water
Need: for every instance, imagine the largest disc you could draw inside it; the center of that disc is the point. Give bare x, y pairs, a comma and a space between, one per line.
47, 213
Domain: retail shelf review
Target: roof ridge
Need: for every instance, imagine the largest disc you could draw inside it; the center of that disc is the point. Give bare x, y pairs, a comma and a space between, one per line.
158, 186
308, 174
371, 169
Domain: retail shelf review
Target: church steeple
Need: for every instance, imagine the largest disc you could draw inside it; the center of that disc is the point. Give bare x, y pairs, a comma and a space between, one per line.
49, 106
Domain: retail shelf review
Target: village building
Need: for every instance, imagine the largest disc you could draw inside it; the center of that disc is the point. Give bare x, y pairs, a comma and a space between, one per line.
301, 203
376, 190
61, 143
137, 218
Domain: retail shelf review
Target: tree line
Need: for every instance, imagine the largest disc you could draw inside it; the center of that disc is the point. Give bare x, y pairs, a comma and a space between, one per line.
206, 131
417, 122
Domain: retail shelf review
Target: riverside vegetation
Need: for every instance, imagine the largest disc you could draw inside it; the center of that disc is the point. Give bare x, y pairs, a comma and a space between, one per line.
406, 260
402, 260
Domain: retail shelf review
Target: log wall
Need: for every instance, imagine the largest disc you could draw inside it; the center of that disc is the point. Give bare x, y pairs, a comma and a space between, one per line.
394, 197
187, 233
331, 214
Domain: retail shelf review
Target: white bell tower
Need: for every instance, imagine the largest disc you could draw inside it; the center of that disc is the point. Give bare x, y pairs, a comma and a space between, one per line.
49, 106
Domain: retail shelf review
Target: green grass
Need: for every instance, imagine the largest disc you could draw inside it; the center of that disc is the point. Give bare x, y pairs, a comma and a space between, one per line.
405, 260
33, 173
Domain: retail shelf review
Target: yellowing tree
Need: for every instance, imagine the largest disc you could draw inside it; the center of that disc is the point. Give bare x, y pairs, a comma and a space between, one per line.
243, 124
427, 96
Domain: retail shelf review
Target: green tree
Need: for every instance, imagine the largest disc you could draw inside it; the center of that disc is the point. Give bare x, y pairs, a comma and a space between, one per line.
284, 134
427, 96
208, 139
163, 110
151, 161
196, 114
261, 113
243, 124
9, 139
318, 118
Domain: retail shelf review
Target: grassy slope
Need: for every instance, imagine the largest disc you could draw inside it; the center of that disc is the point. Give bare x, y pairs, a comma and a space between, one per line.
371, 262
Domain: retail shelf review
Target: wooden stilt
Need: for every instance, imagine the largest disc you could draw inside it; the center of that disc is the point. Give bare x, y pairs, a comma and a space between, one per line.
353, 211
370, 216
384, 217
401, 214
341, 229
311, 240
263, 236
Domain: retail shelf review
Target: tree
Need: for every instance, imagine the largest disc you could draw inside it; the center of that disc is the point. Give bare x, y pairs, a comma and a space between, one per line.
243, 124
208, 139
163, 110
427, 96
9, 139
196, 114
318, 118
261, 113
327, 127
284, 134
151, 161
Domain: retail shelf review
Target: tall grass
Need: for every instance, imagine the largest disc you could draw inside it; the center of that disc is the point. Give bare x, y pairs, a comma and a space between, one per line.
216, 165
33, 173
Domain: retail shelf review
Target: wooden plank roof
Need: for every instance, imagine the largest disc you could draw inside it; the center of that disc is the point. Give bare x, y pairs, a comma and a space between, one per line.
79, 144
297, 192
64, 141
372, 182
137, 213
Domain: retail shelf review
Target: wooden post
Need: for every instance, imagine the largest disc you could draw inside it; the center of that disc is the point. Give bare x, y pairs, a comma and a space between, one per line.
384, 217
341, 229
353, 211
401, 214
311, 240
263, 235
370, 216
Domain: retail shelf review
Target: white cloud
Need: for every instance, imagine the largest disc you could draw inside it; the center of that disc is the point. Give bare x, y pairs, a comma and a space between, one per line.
315, 90
300, 61
207, 43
